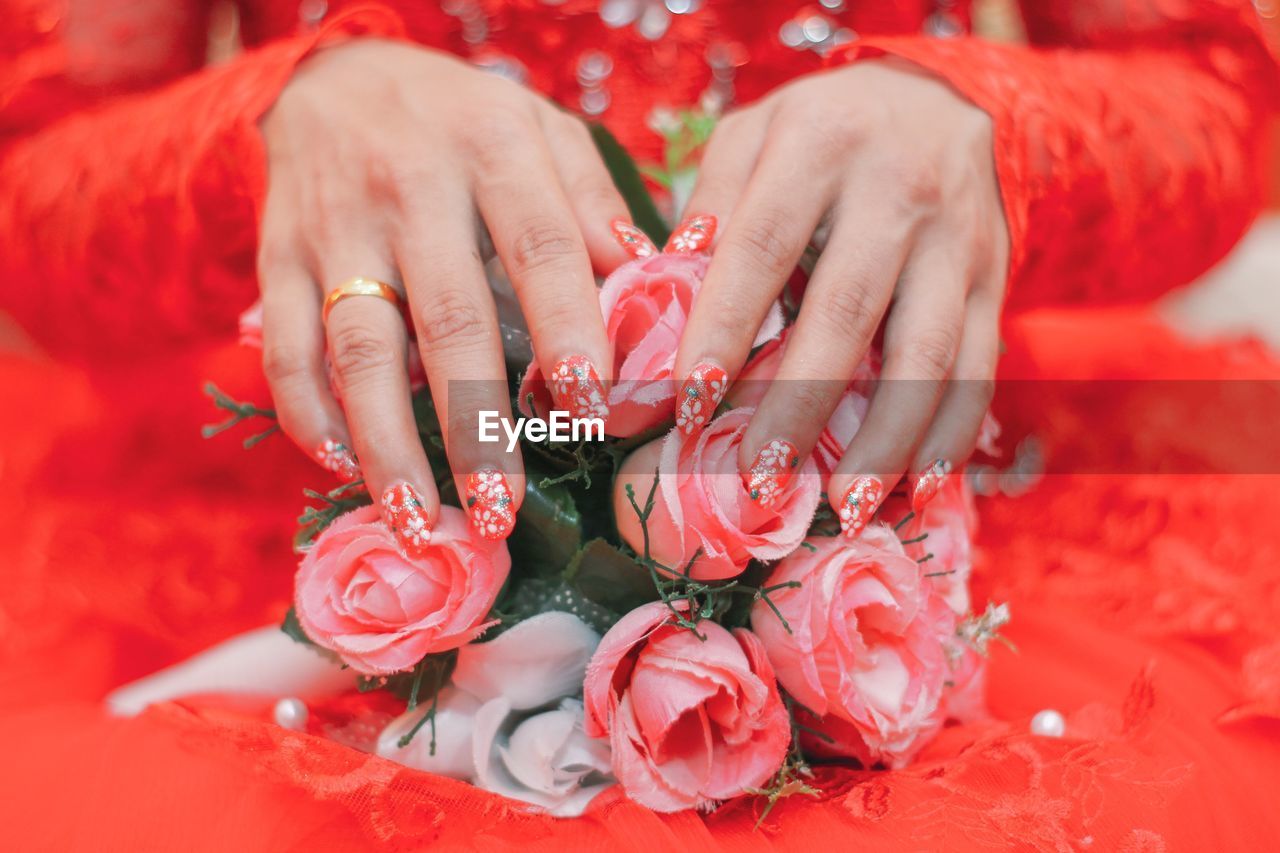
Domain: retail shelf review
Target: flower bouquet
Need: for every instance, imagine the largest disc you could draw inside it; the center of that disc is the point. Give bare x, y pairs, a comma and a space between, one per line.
654, 621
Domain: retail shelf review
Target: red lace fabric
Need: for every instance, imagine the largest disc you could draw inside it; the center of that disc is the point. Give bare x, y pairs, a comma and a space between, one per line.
1145, 604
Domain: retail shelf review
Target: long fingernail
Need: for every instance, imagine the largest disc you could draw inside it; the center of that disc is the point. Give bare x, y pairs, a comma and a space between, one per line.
491, 503
771, 471
693, 235
698, 397
636, 243
860, 503
928, 483
337, 458
577, 389
405, 513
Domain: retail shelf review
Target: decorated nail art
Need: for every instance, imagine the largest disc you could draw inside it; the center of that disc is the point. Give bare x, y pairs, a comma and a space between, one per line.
336, 457
577, 389
928, 483
631, 238
490, 503
860, 503
698, 397
693, 235
405, 513
771, 471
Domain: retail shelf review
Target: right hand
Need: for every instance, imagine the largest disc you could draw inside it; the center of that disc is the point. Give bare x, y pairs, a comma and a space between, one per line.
389, 162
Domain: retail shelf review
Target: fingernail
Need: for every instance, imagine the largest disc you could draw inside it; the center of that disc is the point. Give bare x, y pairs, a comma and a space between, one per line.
698, 397
693, 235
636, 243
490, 503
577, 389
771, 471
928, 483
405, 513
860, 503
337, 458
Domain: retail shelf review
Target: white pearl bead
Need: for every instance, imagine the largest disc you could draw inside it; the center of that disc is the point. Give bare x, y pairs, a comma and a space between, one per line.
291, 714
1048, 723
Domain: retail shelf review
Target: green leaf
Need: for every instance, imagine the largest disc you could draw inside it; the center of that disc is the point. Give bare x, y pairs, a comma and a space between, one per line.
548, 529
334, 504
544, 595
609, 577
626, 177
293, 628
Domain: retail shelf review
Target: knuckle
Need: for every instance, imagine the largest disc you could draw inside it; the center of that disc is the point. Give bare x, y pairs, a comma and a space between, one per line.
849, 310
919, 183
282, 364
540, 243
401, 176
832, 137
930, 353
761, 241
813, 402
493, 133
357, 352
449, 319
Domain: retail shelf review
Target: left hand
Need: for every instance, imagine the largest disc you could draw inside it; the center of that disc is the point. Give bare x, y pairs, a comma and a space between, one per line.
895, 171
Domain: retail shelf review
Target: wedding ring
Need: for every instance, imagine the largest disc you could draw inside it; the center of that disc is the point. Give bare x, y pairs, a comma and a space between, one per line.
361, 287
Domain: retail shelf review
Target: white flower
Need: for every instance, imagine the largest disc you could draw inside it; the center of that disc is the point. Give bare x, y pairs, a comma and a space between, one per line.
545, 758
509, 723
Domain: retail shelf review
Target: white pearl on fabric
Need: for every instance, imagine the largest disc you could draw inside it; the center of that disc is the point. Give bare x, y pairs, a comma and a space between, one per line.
1048, 723
291, 713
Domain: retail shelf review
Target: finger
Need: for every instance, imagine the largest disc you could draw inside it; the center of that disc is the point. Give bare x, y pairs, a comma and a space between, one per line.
368, 347
758, 251
293, 363
921, 338
536, 237
847, 297
596, 202
957, 424
461, 347
728, 160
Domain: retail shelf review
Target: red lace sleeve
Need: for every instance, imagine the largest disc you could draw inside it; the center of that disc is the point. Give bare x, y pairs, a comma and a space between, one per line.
1128, 141
132, 222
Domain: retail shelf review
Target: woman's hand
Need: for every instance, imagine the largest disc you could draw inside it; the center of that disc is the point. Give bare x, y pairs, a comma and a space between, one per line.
895, 173
390, 162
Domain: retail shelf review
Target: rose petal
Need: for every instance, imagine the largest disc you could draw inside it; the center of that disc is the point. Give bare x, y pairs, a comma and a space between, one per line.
454, 721
533, 663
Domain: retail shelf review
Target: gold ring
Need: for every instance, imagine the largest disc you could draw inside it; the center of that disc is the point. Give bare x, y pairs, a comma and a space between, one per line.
361, 287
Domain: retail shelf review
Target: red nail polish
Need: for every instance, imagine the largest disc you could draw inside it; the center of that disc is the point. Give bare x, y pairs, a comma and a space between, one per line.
694, 235
337, 458
771, 471
405, 513
860, 503
928, 483
577, 389
636, 243
490, 503
698, 397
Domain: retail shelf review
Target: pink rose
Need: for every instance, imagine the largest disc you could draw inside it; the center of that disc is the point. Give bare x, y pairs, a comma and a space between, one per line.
645, 304
702, 503
749, 389
358, 595
689, 721
867, 646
